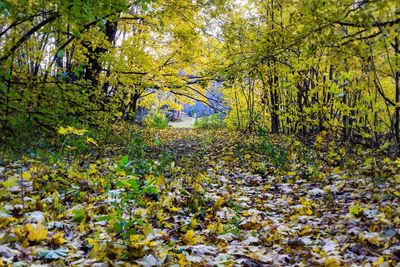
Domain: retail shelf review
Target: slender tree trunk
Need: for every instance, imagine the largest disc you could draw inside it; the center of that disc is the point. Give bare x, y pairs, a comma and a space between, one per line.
397, 81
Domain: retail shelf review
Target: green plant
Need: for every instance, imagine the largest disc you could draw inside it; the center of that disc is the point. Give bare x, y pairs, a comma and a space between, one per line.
75, 139
211, 122
156, 120
278, 156
132, 191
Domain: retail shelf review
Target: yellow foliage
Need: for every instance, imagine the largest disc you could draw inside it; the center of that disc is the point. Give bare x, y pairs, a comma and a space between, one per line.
26, 176
190, 238
36, 233
332, 262
91, 141
58, 238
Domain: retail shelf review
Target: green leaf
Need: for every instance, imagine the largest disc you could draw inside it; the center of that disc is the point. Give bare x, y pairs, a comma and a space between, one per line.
78, 215
150, 190
53, 254
60, 53
124, 160
134, 185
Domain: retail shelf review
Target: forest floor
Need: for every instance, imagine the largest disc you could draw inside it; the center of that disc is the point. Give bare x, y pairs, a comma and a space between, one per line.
196, 198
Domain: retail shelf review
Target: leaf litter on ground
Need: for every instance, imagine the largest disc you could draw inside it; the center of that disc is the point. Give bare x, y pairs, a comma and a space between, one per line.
213, 203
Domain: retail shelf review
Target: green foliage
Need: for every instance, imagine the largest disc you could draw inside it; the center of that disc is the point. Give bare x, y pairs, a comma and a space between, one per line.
212, 122
157, 120
277, 155
79, 215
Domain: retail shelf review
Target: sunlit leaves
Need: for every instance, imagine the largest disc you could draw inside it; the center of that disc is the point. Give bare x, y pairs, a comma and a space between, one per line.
36, 233
190, 238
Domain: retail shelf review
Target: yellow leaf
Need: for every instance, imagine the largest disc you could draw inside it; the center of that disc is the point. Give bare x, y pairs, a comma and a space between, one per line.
332, 262
26, 176
37, 233
95, 251
218, 203
91, 140
309, 212
77, 131
291, 173
319, 139
62, 131
182, 260
247, 156
356, 209
173, 209
193, 222
19, 232
190, 238
13, 181
147, 229
58, 238
379, 261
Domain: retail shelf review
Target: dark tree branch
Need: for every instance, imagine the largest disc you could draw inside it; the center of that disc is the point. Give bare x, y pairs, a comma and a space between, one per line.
26, 37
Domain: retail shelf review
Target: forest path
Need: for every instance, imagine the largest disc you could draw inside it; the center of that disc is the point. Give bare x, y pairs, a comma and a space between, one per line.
195, 198
184, 122
281, 219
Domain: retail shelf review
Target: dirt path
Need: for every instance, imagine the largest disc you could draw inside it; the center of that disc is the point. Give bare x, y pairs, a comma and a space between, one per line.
186, 122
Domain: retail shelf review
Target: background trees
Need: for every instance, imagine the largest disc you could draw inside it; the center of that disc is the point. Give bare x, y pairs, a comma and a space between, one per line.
95, 62
305, 67
293, 67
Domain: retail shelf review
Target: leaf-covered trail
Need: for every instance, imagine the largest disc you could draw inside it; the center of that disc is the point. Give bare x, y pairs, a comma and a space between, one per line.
287, 220
195, 199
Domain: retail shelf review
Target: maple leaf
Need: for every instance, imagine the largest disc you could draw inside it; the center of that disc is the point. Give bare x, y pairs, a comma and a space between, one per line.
36, 233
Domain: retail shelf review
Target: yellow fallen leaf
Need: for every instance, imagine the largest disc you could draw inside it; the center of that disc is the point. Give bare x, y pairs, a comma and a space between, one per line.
219, 202
319, 139
58, 238
36, 233
147, 229
19, 232
190, 238
13, 181
173, 209
379, 261
26, 176
332, 262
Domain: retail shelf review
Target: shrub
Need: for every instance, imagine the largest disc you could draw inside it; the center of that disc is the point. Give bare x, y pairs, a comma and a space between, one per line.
277, 155
211, 122
156, 120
